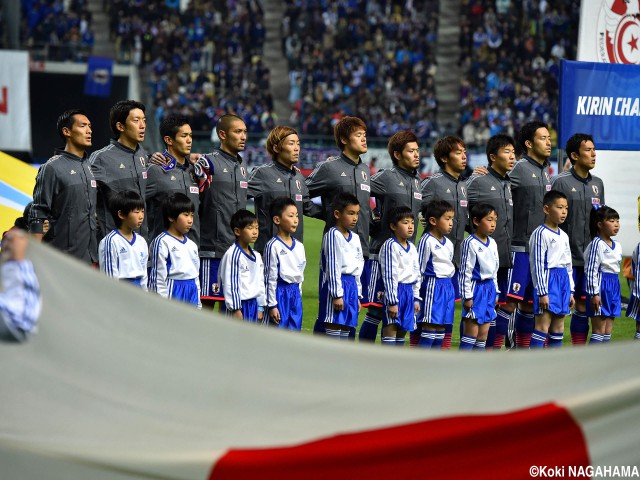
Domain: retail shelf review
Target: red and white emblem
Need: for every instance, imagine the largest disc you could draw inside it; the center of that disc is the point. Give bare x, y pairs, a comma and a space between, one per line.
618, 32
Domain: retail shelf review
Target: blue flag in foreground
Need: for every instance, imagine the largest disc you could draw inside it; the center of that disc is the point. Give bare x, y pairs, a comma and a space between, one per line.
602, 99
99, 76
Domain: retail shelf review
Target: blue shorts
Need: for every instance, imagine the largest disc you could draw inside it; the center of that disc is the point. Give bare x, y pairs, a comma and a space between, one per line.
439, 301
349, 315
580, 282
504, 280
559, 293
249, 310
521, 284
184, 290
609, 296
210, 287
289, 305
406, 319
372, 287
633, 309
134, 281
484, 302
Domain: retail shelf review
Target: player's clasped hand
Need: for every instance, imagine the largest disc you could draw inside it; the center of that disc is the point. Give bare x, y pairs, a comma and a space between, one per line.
338, 304
543, 302
274, 314
596, 303
392, 311
468, 304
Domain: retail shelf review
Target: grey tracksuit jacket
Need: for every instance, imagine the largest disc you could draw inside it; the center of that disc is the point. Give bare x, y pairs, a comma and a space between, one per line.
65, 194
270, 181
582, 194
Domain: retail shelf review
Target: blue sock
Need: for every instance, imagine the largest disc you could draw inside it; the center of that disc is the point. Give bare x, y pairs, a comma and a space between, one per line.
502, 327
524, 324
491, 334
555, 339
332, 333
389, 341
369, 328
637, 337
606, 339
467, 342
346, 334
352, 334
399, 342
480, 345
538, 339
596, 339
579, 328
426, 339
438, 339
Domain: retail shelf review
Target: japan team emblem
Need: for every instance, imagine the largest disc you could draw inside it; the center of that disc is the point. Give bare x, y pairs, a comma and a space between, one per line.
618, 32
463, 192
299, 185
243, 171
516, 287
595, 189
215, 288
364, 176
143, 162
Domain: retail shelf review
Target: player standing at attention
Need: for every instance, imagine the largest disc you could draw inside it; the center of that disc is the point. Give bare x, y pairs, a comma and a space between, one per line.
65, 193
398, 186
633, 309
242, 271
121, 165
552, 273
123, 254
400, 270
174, 257
494, 188
603, 257
479, 263
284, 263
341, 266
435, 253
583, 192
530, 181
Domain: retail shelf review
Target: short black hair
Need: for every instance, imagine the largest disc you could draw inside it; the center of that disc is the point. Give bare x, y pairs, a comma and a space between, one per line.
497, 142
119, 113
170, 125
435, 209
225, 121
66, 120
574, 142
528, 132
125, 202
551, 196
175, 204
481, 210
397, 214
342, 200
279, 205
601, 214
242, 219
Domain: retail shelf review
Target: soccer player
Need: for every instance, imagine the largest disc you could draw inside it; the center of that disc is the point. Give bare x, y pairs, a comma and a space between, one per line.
342, 262
278, 178
436, 252
400, 271
551, 272
242, 271
451, 155
530, 181
220, 202
121, 165
122, 253
398, 186
633, 309
174, 257
584, 191
494, 188
345, 173
603, 257
284, 263
177, 175
479, 278
65, 193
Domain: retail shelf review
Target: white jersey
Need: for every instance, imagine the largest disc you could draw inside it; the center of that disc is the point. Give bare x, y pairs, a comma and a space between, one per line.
341, 256
172, 259
20, 299
635, 269
479, 261
124, 259
436, 257
282, 263
600, 258
548, 249
399, 265
242, 277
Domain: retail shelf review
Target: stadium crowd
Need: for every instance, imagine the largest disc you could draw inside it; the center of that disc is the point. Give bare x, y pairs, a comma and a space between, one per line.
203, 62
375, 60
510, 56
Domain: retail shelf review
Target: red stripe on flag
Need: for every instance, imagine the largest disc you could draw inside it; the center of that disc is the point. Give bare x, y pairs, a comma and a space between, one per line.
484, 446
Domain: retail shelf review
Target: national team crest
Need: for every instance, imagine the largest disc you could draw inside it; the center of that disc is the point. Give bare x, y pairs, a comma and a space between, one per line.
379, 296
364, 176
463, 191
618, 32
215, 288
595, 189
516, 287
243, 171
299, 185
143, 162
546, 174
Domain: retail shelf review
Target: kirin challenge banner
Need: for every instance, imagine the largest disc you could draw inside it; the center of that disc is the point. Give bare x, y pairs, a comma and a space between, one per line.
602, 99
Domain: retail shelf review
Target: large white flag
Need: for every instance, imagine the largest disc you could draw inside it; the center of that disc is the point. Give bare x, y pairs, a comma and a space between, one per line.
15, 114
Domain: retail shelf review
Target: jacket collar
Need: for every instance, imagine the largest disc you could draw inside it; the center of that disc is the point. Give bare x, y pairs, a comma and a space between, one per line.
349, 161
497, 175
449, 176
71, 156
230, 157
533, 162
117, 144
283, 169
578, 177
